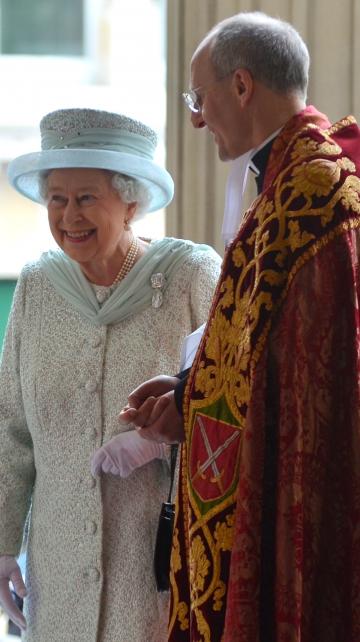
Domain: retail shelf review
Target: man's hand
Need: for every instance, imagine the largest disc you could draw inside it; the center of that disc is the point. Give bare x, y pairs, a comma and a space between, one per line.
154, 387
10, 572
153, 411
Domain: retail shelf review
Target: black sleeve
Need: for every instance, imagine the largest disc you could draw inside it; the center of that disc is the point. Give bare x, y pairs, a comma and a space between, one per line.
179, 390
183, 374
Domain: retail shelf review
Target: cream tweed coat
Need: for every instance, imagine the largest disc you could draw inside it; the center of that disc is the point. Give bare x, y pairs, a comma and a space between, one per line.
62, 383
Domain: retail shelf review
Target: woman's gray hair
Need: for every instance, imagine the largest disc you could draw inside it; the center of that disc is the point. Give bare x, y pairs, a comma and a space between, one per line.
271, 49
129, 189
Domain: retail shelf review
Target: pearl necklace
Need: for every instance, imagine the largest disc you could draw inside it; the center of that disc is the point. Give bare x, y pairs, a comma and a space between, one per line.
129, 261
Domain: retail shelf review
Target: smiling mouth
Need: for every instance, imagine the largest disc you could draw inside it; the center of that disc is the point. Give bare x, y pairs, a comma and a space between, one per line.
79, 237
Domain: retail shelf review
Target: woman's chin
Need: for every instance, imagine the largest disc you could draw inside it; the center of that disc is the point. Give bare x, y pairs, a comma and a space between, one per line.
78, 253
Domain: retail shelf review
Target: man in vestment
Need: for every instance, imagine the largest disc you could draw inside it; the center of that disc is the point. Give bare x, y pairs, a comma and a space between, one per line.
266, 543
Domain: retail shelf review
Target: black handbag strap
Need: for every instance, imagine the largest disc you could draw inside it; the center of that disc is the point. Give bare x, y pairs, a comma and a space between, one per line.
173, 456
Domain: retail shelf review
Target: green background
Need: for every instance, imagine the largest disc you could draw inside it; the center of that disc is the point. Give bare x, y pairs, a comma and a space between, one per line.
6, 295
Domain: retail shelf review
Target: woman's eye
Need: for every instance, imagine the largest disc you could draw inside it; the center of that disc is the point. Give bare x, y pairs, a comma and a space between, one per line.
86, 198
56, 199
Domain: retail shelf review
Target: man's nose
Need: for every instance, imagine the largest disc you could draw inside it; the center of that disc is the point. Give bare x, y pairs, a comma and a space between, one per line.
197, 119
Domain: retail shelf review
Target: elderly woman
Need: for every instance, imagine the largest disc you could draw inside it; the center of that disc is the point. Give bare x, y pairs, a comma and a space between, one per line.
89, 322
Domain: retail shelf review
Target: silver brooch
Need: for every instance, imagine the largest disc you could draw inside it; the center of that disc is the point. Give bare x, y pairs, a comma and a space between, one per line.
157, 283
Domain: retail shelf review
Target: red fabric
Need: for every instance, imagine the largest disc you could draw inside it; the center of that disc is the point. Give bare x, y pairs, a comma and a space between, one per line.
314, 355
269, 466
308, 116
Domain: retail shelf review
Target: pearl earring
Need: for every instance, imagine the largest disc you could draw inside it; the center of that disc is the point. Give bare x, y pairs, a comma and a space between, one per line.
127, 226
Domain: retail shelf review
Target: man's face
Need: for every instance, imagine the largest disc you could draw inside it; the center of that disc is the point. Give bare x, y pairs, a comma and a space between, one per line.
221, 110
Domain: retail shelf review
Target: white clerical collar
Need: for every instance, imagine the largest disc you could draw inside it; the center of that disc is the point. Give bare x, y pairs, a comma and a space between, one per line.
235, 188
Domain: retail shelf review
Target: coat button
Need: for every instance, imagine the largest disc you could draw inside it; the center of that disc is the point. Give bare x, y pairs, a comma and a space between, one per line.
95, 341
91, 433
92, 574
90, 528
91, 386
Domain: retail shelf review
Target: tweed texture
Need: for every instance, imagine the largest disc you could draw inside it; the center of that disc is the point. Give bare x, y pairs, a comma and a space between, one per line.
65, 122
62, 383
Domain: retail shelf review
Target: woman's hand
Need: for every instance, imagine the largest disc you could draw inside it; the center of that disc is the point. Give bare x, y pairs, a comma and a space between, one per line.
124, 453
10, 572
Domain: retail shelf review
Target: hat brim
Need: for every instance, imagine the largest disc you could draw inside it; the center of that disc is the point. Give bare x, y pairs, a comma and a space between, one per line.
24, 171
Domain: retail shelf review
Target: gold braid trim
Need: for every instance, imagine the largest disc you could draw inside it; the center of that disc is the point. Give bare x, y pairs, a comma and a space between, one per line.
346, 226
334, 129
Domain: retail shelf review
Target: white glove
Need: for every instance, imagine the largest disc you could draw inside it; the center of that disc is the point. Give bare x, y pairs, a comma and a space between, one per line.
10, 572
126, 452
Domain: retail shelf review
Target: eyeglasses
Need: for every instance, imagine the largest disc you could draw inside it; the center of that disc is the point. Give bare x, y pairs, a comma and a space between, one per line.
192, 99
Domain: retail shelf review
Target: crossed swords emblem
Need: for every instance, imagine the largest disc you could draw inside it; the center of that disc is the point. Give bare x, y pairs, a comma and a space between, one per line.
212, 456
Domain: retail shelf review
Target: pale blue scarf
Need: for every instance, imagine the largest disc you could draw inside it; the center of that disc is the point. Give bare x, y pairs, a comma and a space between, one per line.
134, 292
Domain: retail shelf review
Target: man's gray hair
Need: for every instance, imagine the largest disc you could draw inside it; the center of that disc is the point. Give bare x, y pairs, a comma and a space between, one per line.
129, 189
271, 49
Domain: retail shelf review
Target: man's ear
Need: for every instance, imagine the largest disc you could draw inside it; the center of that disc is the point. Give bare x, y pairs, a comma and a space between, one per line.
244, 85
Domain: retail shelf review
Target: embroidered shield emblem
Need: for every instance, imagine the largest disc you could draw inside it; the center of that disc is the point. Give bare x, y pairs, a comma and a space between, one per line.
213, 457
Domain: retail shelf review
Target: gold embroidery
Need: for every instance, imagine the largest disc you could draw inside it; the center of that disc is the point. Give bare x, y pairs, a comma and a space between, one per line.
264, 209
175, 553
349, 120
218, 595
203, 627
183, 611
238, 256
297, 238
224, 533
309, 147
199, 565
346, 163
316, 177
231, 351
350, 194
227, 287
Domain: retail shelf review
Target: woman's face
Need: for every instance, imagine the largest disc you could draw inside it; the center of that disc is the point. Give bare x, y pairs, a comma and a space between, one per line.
86, 215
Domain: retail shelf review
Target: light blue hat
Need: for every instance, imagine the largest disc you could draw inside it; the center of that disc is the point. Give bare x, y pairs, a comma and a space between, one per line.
89, 138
